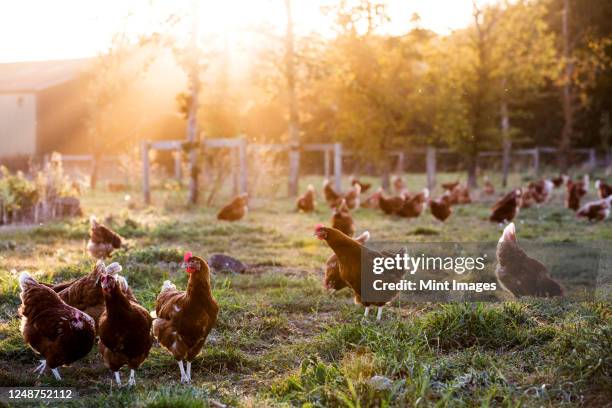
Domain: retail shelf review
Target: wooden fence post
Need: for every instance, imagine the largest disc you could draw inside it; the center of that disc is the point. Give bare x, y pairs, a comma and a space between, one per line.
327, 161
338, 166
242, 159
592, 159
431, 167
536, 161
144, 150
177, 165
400, 163
236, 170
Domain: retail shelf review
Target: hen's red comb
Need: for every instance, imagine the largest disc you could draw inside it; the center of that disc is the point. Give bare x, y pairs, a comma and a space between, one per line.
187, 256
319, 226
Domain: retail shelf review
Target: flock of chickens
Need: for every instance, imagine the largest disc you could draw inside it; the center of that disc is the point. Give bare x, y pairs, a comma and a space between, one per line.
411, 205
61, 322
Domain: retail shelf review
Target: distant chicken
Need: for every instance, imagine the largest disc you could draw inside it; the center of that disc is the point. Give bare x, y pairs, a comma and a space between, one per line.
124, 329
457, 192
352, 197
331, 196
85, 293
398, 184
527, 198
520, 274
506, 208
184, 319
371, 201
441, 207
389, 205
559, 180
102, 240
541, 190
363, 186
60, 333
575, 192
488, 188
413, 204
450, 186
596, 210
342, 219
306, 202
603, 190
332, 280
350, 254
235, 210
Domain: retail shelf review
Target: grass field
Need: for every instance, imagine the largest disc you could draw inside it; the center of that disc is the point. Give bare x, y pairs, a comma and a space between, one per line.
281, 340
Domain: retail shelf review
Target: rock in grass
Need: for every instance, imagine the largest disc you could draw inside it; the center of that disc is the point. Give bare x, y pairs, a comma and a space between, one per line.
220, 263
380, 383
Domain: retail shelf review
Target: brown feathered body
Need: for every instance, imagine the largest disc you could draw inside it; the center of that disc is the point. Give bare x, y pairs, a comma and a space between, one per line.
441, 207
604, 190
389, 205
235, 210
306, 202
540, 190
460, 194
352, 197
399, 185
342, 219
349, 254
59, 332
520, 274
450, 186
413, 204
363, 186
332, 198
506, 208
102, 240
124, 327
371, 201
85, 293
575, 192
488, 188
596, 210
185, 318
332, 278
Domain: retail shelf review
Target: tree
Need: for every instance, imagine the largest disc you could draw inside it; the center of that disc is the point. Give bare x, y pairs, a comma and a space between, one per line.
526, 58
108, 108
294, 132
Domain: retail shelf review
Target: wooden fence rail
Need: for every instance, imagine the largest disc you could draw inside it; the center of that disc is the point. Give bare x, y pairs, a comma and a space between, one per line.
331, 151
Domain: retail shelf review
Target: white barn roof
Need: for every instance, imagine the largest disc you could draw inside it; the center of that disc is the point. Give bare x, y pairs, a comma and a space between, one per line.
35, 76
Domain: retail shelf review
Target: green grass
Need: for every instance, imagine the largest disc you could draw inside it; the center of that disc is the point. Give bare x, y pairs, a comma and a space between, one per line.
282, 340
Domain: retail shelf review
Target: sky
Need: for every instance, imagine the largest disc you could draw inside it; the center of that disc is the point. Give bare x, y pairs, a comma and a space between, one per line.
35, 30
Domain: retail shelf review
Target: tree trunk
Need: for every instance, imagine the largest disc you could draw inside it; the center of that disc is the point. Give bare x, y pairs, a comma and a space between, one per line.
192, 120
507, 143
93, 178
294, 134
566, 96
472, 170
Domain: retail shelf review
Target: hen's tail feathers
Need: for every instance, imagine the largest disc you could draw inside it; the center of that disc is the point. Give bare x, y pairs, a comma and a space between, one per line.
364, 237
93, 221
597, 184
509, 234
114, 268
25, 280
123, 283
168, 285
